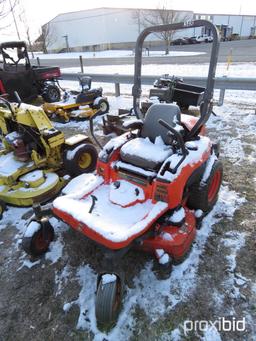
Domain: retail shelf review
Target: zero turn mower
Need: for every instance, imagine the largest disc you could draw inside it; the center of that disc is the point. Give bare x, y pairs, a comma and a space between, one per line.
152, 187
80, 105
35, 157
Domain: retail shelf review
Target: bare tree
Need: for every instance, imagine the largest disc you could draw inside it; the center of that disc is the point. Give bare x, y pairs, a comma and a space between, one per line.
47, 37
6, 7
159, 16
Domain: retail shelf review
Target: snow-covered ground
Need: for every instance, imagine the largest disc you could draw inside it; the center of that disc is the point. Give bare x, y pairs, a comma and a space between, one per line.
180, 70
113, 54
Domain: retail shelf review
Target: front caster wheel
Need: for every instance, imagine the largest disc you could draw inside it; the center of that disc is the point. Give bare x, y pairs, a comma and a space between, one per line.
38, 236
108, 300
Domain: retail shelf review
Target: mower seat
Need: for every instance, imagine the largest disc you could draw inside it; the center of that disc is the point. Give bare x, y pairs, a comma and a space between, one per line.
152, 147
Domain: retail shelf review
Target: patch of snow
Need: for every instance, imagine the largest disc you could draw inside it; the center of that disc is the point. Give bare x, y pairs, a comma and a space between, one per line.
27, 263
9, 165
32, 176
126, 193
164, 259
114, 54
145, 149
208, 168
198, 213
67, 306
51, 179
177, 216
55, 251
32, 228
179, 70
81, 185
193, 157
108, 278
75, 139
159, 253
113, 144
166, 236
71, 153
61, 279
128, 166
211, 334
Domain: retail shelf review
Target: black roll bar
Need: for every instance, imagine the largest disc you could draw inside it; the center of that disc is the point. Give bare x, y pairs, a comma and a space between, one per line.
206, 107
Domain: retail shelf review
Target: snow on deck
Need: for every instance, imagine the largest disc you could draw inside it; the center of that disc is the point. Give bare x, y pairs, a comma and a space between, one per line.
110, 220
9, 165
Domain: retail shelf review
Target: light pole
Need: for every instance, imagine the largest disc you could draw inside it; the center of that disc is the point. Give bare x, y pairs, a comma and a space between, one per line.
67, 44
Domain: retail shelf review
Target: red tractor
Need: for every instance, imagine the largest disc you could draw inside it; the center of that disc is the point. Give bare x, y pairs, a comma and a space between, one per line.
17, 74
153, 186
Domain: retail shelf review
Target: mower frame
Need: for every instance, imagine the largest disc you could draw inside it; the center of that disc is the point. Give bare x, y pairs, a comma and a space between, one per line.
207, 103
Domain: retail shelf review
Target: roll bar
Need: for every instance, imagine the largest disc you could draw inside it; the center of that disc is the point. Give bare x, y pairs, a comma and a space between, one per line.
206, 106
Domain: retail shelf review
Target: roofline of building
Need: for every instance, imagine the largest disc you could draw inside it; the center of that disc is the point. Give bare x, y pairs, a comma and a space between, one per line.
117, 8
226, 15
146, 9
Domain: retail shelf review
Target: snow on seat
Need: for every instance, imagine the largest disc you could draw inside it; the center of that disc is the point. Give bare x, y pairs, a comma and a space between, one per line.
111, 224
141, 152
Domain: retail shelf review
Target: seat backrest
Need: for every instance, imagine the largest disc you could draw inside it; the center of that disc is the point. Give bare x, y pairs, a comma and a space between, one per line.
169, 113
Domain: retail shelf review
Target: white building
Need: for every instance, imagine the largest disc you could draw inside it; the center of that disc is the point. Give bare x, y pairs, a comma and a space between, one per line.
99, 28
105, 28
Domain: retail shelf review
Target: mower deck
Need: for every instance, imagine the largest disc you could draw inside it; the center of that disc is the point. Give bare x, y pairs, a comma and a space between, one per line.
132, 214
9, 166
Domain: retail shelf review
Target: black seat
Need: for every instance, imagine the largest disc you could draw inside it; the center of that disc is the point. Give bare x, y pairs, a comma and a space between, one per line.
152, 148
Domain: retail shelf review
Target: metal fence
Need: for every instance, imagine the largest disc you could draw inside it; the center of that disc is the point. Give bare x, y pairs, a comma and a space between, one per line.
222, 83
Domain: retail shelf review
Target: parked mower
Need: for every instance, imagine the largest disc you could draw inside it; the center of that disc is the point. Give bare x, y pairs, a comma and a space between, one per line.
167, 89
36, 159
78, 105
152, 187
17, 74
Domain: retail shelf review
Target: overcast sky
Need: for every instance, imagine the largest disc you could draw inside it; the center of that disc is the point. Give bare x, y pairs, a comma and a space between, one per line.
39, 12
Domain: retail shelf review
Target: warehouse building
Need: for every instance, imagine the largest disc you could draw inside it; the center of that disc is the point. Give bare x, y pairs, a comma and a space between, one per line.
117, 28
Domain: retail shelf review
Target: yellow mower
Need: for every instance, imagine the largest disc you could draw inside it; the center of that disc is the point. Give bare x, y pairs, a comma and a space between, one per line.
36, 160
78, 105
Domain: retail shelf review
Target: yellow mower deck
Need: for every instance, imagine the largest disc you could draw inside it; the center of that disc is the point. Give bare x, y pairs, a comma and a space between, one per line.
22, 184
66, 111
26, 192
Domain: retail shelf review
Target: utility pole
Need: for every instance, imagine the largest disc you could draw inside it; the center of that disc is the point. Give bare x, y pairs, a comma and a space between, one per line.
14, 19
67, 44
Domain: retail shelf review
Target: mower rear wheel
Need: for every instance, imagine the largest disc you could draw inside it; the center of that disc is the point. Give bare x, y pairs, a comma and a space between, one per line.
2, 208
103, 106
39, 242
51, 93
81, 159
108, 302
203, 195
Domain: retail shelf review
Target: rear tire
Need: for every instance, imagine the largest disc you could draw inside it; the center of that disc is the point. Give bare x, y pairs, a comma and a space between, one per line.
81, 159
39, 242
203, 195
103, 106
108, 302
51, 93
